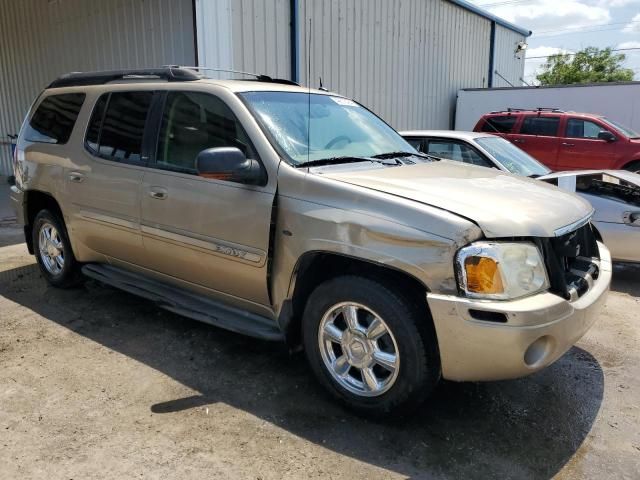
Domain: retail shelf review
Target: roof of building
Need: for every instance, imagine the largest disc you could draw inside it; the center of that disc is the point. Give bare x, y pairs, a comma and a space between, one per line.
489, 16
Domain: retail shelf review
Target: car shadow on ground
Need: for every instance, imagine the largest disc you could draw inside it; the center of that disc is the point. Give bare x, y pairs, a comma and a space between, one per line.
10, 234
527, 428
626, 278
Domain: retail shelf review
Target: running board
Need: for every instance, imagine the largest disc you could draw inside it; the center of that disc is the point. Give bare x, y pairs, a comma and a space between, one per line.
185, 303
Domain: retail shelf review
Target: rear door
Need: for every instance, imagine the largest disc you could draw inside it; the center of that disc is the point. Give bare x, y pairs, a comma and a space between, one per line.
209, 232
538, 136
582, 149
103, 187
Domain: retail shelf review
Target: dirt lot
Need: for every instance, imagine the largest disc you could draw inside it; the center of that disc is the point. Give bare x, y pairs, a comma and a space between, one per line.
96, 383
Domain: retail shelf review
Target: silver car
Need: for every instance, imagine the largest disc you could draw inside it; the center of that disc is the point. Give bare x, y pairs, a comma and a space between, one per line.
614, 194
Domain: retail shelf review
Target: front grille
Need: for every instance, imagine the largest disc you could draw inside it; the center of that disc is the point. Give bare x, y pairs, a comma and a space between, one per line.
572, 262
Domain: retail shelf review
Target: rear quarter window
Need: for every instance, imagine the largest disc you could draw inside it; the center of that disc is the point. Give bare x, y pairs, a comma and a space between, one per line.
54, 119
502, 124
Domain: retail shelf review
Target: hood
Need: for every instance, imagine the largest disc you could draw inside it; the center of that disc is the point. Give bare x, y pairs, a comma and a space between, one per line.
501, 204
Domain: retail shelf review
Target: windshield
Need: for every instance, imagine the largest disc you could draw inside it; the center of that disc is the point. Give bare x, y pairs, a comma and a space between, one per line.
337, 127
511, 157
624, 130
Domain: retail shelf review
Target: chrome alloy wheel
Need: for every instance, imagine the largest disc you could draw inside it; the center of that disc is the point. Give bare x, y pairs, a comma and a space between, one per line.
358, 349
51, 248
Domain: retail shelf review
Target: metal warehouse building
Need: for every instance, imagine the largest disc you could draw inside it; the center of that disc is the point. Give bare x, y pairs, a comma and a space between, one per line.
404, 59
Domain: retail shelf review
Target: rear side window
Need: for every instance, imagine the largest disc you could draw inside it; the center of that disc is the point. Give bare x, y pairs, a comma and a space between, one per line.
54, 118
117, 123
544, 126
93, 131
499, 124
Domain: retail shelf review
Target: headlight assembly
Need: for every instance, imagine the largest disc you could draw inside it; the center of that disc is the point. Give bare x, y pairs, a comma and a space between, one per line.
501, 270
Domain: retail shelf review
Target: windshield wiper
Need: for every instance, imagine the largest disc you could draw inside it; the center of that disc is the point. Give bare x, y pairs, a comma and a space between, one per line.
346, 159
389, 155
332, 161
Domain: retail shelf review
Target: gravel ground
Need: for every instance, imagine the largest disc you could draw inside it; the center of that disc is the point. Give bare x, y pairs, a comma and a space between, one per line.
96, 383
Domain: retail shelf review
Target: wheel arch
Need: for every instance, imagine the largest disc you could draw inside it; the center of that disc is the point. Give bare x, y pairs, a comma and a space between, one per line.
316, 267
628, 165
34, 202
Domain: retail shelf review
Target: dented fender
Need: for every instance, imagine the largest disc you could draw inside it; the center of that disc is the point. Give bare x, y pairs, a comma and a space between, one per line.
317, 214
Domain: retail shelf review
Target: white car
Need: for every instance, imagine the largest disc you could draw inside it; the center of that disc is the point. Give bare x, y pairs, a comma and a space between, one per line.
614, 194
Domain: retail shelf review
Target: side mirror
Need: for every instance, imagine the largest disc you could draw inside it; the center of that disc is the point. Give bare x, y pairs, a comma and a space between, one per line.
631, 218
230, 164
606, 136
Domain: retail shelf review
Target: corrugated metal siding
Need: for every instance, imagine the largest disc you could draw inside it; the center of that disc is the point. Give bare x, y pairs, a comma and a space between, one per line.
261, 37
404, 59
42, 39
505, 60
213, 25
246, 35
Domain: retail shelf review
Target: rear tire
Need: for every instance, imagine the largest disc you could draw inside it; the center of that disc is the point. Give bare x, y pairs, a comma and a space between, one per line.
53, 251
371, 345
633, 167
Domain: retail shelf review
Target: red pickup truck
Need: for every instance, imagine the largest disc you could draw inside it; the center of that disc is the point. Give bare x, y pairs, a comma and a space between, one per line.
567, 140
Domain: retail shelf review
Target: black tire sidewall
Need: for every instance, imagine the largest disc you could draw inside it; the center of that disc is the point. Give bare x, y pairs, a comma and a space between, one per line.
69, 275
419, 360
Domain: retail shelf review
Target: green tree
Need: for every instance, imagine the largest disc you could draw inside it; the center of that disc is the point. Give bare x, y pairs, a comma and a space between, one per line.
586, 66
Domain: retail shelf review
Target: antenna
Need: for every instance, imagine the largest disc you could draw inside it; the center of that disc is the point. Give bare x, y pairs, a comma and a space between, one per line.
309, 89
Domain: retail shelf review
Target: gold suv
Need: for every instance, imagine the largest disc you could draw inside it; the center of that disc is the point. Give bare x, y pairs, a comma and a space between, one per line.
298, 215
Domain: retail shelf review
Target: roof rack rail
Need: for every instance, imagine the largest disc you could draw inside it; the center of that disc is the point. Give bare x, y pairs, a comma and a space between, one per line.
169, 73
258, 76
549, 109
537, 109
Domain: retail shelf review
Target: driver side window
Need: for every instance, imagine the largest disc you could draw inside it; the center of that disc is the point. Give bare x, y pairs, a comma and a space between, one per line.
192, 122
577, 128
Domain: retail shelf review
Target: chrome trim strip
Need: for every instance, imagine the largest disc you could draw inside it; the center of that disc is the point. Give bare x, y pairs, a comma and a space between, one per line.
573, 226
214, 246
103, 218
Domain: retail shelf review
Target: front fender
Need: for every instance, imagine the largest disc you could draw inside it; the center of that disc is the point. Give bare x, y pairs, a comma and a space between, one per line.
303, 226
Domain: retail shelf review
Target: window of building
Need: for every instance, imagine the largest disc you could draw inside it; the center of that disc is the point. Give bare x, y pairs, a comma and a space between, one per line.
193, 122
499, 124
54, 118
544, 126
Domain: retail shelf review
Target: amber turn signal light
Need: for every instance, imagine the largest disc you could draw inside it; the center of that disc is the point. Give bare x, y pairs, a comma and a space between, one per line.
483, 275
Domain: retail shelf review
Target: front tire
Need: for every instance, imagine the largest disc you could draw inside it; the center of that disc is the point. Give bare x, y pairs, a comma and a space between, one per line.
53, 251
372, 346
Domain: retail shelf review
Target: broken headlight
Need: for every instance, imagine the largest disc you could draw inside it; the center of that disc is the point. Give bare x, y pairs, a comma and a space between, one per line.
501, 270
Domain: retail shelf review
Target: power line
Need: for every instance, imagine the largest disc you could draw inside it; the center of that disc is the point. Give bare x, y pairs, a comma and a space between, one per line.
585, 26
571, 54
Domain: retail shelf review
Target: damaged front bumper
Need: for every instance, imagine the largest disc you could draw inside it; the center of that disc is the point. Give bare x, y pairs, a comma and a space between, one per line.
533, 333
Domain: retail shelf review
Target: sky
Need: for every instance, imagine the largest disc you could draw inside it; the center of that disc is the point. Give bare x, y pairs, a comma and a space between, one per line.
571, 25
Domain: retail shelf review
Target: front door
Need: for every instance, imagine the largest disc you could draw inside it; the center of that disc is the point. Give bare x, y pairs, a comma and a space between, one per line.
103, 187
582, 149
208, 232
